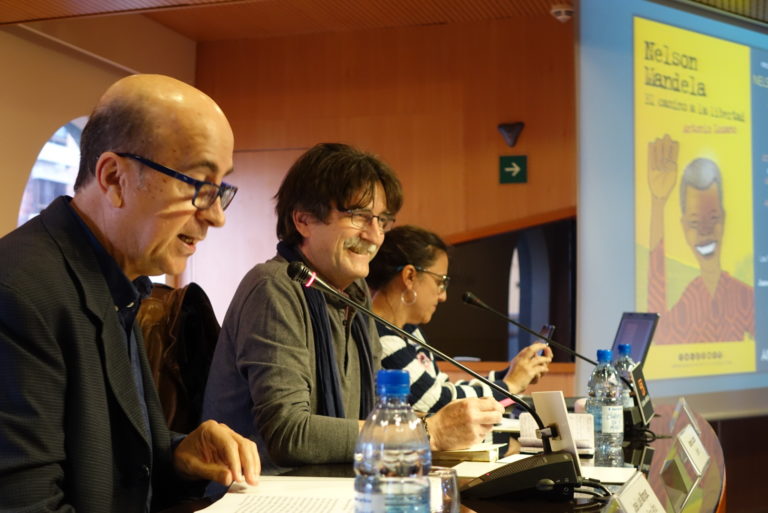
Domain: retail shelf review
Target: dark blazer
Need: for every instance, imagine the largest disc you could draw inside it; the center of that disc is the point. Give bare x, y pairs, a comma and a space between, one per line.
71, 430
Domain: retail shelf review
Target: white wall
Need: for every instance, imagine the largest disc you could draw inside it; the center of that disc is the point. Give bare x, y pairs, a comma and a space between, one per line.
132, 41
49, 81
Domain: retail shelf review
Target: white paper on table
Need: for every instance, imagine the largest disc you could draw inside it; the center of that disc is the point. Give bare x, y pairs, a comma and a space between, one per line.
297, 494
289, 493
608, 475
478, 468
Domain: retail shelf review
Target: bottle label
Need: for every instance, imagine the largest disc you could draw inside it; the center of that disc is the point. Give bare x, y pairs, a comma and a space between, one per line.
612, 419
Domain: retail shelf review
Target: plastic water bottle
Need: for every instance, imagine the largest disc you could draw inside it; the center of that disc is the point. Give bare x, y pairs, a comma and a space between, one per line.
392, 456
624, 365
604, 403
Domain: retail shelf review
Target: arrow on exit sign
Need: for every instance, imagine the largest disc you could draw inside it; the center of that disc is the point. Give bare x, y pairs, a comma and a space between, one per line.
513, 169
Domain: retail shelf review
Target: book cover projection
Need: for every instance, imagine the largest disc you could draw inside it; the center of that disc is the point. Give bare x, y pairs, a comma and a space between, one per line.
694, 201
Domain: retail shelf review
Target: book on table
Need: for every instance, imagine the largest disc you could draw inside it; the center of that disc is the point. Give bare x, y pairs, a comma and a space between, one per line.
480, 452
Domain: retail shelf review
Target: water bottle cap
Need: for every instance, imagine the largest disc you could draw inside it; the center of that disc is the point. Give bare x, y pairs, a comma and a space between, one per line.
604, 355
625, 349
393, 382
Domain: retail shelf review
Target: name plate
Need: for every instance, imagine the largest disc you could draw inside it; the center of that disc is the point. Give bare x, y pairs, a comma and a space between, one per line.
637, 496
694, 449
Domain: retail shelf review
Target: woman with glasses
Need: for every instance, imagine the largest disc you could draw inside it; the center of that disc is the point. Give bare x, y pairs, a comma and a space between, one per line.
409, 276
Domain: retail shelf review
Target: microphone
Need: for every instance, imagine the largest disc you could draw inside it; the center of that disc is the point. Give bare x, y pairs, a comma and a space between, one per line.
298, 271
473, 300
520, 478
639, 414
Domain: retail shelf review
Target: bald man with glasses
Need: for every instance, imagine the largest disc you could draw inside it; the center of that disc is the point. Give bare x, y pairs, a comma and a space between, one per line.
81, 426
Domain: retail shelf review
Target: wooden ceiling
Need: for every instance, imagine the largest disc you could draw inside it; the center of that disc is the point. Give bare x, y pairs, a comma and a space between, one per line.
211, 20
20, 11
268, 18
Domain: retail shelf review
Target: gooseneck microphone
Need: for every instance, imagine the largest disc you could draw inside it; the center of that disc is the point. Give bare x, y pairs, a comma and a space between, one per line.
473, 300
551, 474
299, 272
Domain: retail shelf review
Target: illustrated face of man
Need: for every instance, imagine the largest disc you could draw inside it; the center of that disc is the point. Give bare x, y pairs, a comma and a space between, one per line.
161, 226
703, 224
336, 248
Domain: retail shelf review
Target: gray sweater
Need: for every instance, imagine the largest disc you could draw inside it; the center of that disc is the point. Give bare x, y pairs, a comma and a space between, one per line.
262, 379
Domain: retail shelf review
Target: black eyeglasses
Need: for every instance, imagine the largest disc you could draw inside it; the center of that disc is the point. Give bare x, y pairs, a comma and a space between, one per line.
363, 219
443, 280
205, 192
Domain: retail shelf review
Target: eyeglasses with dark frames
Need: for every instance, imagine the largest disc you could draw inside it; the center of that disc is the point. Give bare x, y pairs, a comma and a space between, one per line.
443, 280
363, 219
205, 192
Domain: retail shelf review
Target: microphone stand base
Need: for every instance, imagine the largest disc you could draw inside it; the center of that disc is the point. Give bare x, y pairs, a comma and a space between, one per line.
550, 476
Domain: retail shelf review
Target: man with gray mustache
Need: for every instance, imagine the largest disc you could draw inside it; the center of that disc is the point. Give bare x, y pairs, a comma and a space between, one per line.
294, 369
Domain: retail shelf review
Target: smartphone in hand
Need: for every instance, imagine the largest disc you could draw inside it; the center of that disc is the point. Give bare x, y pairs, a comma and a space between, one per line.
546, 331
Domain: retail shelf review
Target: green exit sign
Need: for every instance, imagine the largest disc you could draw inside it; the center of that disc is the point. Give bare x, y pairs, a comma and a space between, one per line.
513, 169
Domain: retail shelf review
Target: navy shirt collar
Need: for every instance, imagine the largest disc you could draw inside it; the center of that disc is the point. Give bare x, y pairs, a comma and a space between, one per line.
126, 294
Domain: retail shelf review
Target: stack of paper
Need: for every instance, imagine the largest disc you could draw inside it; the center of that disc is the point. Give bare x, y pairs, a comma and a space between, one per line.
300, 495
294, 494
480, 452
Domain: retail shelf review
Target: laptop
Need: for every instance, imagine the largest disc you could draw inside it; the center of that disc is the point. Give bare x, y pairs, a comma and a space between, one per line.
636, 329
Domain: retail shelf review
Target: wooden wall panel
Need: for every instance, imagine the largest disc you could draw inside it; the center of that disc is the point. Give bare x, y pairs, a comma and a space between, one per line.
426, 99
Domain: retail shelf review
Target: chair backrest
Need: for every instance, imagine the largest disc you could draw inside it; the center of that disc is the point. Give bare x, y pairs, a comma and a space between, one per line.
180, 331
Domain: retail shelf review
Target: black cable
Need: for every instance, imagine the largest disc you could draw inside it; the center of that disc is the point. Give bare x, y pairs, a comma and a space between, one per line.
590, 506
594, 483
592, 493
645, 435
595, 503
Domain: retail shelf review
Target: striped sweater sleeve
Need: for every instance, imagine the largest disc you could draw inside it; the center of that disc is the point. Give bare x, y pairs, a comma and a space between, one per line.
430, 388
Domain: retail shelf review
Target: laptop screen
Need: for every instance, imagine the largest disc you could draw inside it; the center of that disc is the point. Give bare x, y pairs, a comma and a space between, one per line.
636, 329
